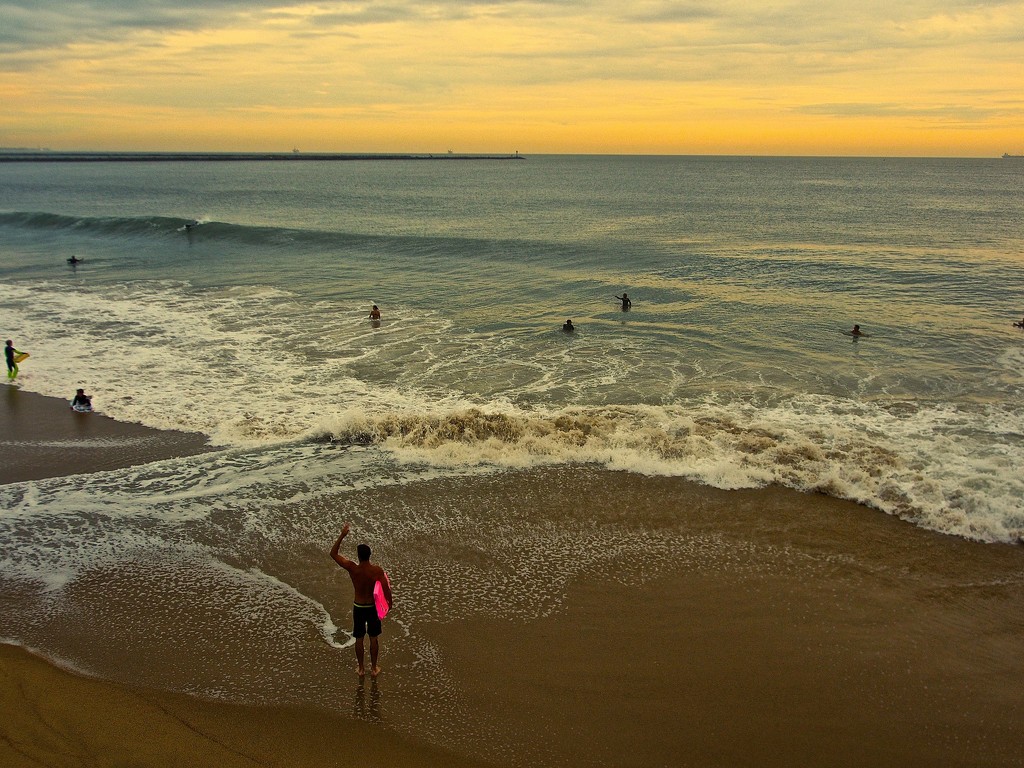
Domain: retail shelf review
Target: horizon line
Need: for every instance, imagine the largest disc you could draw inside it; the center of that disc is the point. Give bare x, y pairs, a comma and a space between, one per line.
29, 154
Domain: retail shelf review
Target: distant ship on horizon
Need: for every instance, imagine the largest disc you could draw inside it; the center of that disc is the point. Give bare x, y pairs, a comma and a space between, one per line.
1007, 156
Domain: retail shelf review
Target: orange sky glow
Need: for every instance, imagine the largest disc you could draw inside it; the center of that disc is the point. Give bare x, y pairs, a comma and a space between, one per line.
925, 78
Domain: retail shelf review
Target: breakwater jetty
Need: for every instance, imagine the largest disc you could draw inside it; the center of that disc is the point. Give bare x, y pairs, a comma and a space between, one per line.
17, 156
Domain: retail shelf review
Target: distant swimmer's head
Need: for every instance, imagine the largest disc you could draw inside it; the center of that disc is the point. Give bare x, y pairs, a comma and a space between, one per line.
363, 552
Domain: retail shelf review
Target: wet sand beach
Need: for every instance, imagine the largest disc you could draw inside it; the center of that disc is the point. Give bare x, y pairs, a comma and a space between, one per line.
49, 717
42, 437
800, 630
715, 628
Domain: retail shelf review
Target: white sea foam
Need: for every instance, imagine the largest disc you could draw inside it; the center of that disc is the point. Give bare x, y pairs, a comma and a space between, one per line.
252, 367
926, 464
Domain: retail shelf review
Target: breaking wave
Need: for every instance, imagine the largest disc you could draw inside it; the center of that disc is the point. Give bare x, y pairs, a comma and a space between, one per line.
886, 457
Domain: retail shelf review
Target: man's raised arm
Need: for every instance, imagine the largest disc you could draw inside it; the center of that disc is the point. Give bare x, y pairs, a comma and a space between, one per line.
341, 560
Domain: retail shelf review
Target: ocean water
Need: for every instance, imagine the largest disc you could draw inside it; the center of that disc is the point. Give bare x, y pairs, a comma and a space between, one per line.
733, 369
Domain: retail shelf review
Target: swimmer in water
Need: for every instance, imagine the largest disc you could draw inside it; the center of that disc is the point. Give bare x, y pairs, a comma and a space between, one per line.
626, 303
568, 327
857, 331
375, 313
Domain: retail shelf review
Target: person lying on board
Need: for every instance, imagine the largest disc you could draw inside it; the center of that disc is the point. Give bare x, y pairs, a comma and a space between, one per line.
82, 401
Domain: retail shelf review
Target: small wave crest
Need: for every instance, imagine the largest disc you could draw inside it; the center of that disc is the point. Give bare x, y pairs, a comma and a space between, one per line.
101, 226
199, 229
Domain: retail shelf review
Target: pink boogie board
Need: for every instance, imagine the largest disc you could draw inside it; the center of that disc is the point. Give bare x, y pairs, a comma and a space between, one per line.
379, 600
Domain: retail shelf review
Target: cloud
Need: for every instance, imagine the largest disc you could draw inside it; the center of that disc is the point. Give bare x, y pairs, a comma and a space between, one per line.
958, 113
645, 63
672, 12
34, 24
814, 24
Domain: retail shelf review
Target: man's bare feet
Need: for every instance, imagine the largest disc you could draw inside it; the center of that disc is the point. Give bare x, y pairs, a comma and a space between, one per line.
375, 672
361, 672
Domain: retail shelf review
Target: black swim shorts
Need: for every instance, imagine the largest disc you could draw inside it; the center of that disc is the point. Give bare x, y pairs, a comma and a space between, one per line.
365, 620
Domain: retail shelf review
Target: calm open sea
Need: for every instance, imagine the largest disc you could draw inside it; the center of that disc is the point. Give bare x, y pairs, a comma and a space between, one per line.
732, 368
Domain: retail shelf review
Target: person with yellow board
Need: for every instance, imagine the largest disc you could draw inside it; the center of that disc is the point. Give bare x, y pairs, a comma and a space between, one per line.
13, 358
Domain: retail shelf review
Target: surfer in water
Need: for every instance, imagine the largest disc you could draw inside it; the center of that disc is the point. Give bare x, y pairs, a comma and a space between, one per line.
626, 303
365, 620
568, 327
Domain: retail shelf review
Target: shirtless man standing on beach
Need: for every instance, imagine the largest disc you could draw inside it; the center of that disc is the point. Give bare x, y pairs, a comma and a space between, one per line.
365, 620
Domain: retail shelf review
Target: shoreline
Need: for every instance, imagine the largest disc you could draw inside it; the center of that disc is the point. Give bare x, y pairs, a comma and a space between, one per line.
56, 717
53, 717
788, 629
42, 437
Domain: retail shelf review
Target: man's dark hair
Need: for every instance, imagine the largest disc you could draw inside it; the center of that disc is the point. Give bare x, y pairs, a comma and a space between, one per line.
363, 550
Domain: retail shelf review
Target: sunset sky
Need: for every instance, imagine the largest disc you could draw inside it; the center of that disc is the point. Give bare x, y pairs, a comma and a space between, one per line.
805, 77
